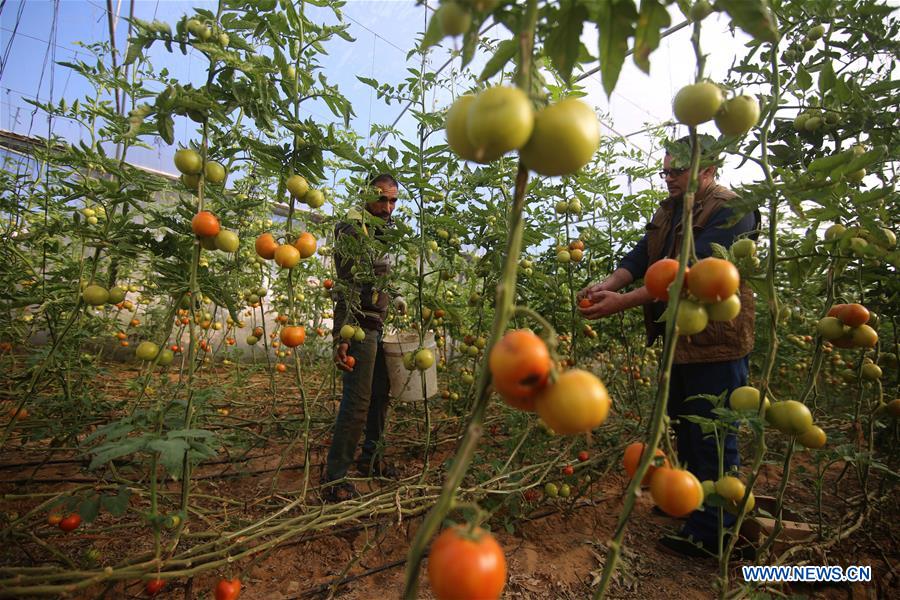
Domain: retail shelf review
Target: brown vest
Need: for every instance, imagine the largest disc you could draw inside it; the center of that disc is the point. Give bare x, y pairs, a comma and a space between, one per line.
721, 340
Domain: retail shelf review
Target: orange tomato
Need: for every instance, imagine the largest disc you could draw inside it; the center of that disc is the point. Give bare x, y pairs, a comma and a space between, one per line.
306, 244
266, 246
205, 224
576, 403
520, 365
633, 454
328, 284
713, 279
281, 367
463, 565
659, 277
293, 336
675, 491
287, 256
585, 303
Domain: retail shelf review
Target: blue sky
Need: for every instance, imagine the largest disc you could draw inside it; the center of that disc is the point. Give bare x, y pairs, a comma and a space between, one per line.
384, 30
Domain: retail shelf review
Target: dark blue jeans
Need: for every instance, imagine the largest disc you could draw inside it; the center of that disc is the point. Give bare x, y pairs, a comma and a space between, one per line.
364, 404
697, 452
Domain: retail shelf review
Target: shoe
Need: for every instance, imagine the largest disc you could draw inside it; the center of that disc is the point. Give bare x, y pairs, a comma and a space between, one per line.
339, 492
687, 546
380, 469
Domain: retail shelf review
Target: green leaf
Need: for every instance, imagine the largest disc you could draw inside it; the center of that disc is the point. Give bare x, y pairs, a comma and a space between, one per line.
171, 454
841, 91
433, 34
166, 127
753, 16
615, 22
107, 452
118, 504
470, 42
89, 508
191, 433
135, 47
505, 51
826, 77
653, 18
804, 79
563, 45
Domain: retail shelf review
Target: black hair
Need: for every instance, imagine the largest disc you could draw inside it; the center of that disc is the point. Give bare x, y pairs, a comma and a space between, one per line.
384, 178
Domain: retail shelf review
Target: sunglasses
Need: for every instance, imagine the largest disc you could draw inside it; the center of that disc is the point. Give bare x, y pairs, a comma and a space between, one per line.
671, 173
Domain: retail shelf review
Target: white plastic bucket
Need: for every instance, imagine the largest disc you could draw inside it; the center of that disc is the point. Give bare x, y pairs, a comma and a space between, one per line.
405, 384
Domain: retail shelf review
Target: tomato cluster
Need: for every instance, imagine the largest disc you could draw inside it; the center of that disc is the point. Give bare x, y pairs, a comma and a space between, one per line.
521, 365
713, 286
558, 140
847, 326
788, 416
700, 102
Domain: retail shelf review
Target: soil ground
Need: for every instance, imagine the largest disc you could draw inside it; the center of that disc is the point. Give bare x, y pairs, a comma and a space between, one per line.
554, 548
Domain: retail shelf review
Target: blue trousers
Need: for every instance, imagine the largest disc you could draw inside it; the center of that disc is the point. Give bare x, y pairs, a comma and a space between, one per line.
364, 404
698, 452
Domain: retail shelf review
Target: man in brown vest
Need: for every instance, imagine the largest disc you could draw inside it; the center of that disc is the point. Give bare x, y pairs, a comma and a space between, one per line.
363, 272
711, 362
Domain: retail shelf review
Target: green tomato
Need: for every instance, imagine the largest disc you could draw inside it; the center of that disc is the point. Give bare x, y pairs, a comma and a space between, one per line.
214, 172
188, 161
697, 103
95, 295
566, 136
737, 115
146, 351
227, 241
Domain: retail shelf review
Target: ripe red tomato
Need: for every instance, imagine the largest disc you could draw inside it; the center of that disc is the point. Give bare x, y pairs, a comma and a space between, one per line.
633, 454
568, 470
328, 284
350, 362
205, 224
293, 336
520, 365
464, 566
154, 586
675, 491
853, 315
659, 277
583, 456
70, 523
713, 279
228, 590
585, 303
